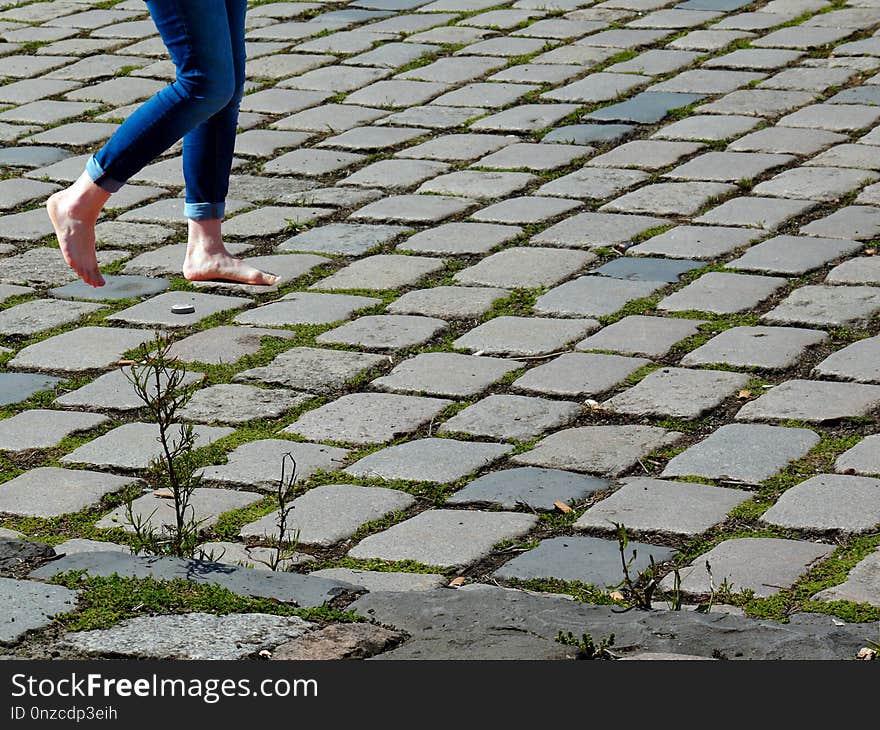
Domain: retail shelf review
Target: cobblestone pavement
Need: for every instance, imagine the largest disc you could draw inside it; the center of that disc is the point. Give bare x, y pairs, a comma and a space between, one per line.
545, 267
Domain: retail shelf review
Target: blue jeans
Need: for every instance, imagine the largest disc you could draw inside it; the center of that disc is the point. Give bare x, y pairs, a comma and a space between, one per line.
206, 41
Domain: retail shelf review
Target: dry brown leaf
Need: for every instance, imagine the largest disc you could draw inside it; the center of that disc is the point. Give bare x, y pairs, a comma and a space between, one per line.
616, 595
562, 507
744, 394
164, 494
456, 582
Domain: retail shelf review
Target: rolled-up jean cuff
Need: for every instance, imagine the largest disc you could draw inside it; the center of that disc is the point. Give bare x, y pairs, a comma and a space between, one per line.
204, 211
101, 178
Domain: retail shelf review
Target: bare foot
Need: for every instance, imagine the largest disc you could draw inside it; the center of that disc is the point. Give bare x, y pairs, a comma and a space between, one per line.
74, 225
202, 265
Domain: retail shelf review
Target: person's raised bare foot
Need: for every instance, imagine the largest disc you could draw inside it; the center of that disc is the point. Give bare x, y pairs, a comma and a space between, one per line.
74, 213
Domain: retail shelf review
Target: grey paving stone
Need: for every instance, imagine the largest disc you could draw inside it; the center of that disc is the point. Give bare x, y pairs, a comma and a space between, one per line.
860, 222
646, 154
756, 212
384, 331
460, 238
312, 369
44, 266
768, 348
794, 254
330, 513
232, 403
858, 361
256, 557
743, 452
18, 387
189, 636
18, 191
509, 335
158, 310
534, 156
679, 199
368, 139
764, 565
641, 335
116, 287
857, 270
815, 401
700, 127
833, 117
312, 162
828, 502
79, 545
858, 156
595, 230
759, 102
454, 70
593, 296
677, 393
861, 585
306, 308
39, 315
342, 238
29, 605
654, 505
413, 209
134, 446
648, 107
603, 450
478, 184
505, 47
396, 94
330, 118
593, 183
7, 291
373, 580
49, 492
589, 560
695, 242
511, 417
764, 59
655, 62
305, 591
440, 460
257, 464
367, 418
525, 210
722, 293
433, 116
597, 87
576, 375
113, 391
729, 166
396, 174
827, 184
444, 537
531, 486
586, 134
270, 221
224, 344
457, 147
446, 374
43, 429
826, 306
86, 348
808, 79
491, 95
448, 302
525, 117
788, 140
707, 81
206, 505
282, 101
524, 267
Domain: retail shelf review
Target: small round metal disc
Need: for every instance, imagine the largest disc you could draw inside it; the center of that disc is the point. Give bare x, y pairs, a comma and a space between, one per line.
183, 309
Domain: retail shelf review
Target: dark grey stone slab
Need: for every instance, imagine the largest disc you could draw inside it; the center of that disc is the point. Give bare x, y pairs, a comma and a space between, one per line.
647, 269
115, 288
769, 348
587, 134
490, 621
584, 559
302, 590
18, 387
649, 107
537, 488
812, 400
28, 606
17, 555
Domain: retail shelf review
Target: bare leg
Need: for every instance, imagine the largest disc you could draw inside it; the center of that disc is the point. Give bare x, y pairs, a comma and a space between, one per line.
74, 213
207, 258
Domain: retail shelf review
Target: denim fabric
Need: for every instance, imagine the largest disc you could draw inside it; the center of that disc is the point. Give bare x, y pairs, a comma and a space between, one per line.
206, 41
